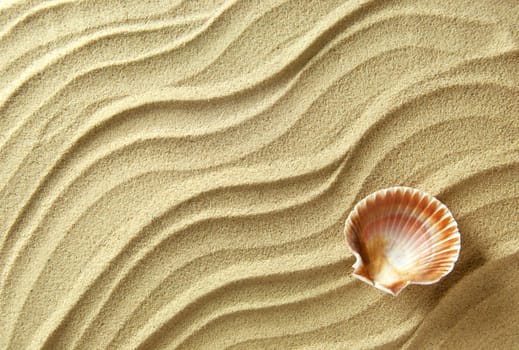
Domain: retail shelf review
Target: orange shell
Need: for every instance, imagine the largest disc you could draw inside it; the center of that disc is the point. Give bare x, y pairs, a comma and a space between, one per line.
400, 236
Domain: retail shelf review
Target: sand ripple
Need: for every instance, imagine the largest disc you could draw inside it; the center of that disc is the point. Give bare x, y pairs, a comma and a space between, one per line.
177, 174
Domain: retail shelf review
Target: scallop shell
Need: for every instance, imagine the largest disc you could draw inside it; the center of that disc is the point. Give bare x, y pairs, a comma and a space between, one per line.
400, 236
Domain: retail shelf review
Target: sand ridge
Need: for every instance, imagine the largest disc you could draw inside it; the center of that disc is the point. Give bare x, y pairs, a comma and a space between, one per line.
177, 174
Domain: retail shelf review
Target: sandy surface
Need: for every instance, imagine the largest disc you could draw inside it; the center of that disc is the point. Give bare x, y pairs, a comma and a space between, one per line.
177, 174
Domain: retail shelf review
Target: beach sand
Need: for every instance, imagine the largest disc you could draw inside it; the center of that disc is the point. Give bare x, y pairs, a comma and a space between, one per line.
176, 174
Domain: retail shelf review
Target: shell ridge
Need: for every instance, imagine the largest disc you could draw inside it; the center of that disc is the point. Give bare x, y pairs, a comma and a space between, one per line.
425, 223
431, 259
412, 215
445, 273
394, 219
428, 225
453, 235
446, 240
406, 242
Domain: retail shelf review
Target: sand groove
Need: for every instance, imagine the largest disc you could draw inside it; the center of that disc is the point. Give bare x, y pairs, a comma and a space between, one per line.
176, 174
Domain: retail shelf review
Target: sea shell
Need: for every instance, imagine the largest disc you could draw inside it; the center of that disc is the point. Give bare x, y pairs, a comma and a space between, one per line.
400, 236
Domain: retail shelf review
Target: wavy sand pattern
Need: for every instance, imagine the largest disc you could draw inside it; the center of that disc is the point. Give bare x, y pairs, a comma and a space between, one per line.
176, 174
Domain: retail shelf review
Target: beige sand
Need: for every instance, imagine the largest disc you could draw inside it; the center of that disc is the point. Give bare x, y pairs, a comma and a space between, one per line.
177, 174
